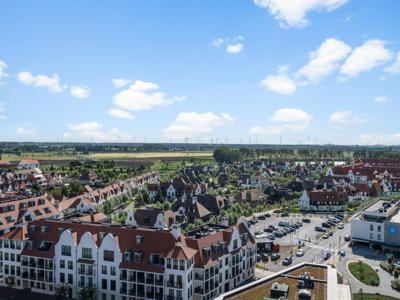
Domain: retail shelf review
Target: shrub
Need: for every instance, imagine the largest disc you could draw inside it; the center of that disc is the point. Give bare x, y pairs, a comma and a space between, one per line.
386, 266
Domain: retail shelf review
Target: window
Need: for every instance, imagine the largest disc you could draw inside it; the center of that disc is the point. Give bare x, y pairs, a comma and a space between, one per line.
112, 271
371, 227
379, 236
379, 228
87, 253
371, 236
112, 285
62, 277
104, 284
108, 255
70, 279
104, 270
62, 264
70, 265
65, 250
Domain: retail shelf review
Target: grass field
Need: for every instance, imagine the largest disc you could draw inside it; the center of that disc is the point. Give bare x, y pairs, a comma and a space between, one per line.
372, 297
149, 155
364, 273
112, 156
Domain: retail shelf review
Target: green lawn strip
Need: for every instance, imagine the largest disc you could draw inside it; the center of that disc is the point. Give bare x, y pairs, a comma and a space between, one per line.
364, 273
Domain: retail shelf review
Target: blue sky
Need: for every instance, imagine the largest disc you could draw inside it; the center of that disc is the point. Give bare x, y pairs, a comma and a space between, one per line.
314, 71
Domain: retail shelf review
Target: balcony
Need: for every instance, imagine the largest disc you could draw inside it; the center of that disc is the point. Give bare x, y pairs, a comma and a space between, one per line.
174, 284
198, 290
198, 276
81, 271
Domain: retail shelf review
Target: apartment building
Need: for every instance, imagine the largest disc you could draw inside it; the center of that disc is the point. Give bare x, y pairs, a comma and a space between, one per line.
127, 262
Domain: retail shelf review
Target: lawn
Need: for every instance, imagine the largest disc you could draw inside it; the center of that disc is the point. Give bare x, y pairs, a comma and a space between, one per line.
364, 273
372, 297
146, 155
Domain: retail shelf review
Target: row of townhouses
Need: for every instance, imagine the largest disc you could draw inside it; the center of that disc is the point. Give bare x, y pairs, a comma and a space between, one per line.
128, 262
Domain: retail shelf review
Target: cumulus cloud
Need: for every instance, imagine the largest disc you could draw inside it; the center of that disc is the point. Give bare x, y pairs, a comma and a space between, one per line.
3, 66
324, 60
393, 69
280, 83
286, 120
380, 99
365, 57
344, 118
80, 91
189, 124
52, 83
385, 139
120, 82
92, 131
26, 131
233, 45
291, 13
142, 95
118, 113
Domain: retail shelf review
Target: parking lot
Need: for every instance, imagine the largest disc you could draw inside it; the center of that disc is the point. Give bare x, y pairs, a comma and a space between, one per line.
314, 245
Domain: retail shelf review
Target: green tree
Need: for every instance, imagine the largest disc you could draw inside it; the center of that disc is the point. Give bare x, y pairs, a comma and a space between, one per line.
61, 292
226, 155
87, 293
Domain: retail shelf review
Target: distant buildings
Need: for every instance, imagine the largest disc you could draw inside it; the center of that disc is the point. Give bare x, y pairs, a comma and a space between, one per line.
323, 201
28, 164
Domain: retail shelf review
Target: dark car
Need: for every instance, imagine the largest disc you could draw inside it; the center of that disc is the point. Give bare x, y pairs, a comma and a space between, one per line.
331, 223
269, 230
326, 225
306, 220
277, 234
287, 261
264, 257
275, 256
347, 237
252, 221
273, 227
340, 217
267, 215
261, 217
284, 214
320, 229
258, 257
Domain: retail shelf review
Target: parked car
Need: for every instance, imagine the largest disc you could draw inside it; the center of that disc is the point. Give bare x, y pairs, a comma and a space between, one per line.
267, 215
340, 226
261, 217
283, 223
300, 252
273, 227
298, 223
275, 256
340, 217
269, 230
258, 257
283, 232
252, 221
320, 229
327, 255
347, 237
330, 233
264, 257
260, 235
284, 214
287, 261
277, 234
342, 253
325, 236
331, 223
306, 220
326, 225
271, 237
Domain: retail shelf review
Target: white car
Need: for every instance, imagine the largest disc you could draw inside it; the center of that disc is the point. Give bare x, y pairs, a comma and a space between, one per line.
260, 235
300, 252
340, 226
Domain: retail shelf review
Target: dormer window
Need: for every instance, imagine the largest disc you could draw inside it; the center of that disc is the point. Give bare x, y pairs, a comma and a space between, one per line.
139, 239
138, 257
44, 229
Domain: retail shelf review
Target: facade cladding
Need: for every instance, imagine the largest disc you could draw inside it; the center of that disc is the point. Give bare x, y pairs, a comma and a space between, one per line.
392, 233
127, 262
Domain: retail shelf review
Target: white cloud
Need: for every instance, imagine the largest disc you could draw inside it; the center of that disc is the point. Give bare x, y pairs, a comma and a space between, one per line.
3, 66
234, 48
280, 83
374, 139
89, 131
288, 119
291, 13
365, 57
395, 68
142, 95
120, 82
80, 91
189, 124
324, 60
3, 118
380, 99
344, 118
52, 83
233, 45
290, 115
26, 131
118, 113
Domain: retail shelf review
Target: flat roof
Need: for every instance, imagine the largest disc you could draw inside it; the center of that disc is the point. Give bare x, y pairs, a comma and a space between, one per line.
324, 276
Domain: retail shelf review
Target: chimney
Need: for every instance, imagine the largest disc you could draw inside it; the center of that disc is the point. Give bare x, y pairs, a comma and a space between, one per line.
225, 221
176, 230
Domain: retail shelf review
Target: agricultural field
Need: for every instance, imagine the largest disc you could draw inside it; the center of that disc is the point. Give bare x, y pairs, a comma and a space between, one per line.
152, 155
